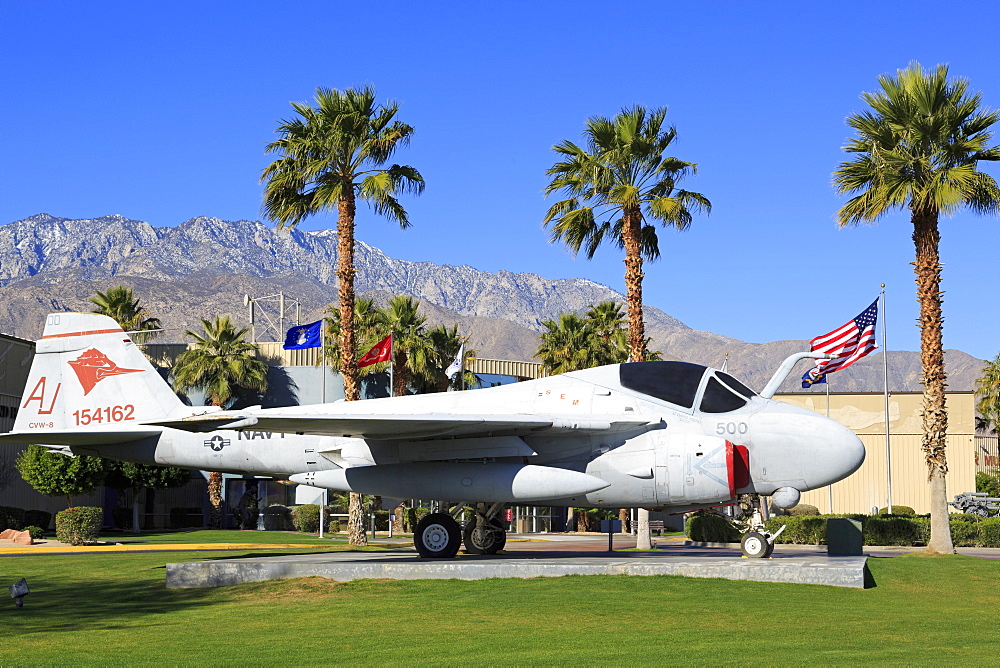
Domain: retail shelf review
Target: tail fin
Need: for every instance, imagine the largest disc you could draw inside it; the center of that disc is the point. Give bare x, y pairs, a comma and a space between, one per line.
87, 372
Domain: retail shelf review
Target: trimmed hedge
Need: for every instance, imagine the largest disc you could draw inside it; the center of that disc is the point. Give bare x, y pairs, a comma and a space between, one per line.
305, 518
966, 530
11, 518
38, 518
78, 525
898, 510
279, 518
122, 518
711, 529
185, 518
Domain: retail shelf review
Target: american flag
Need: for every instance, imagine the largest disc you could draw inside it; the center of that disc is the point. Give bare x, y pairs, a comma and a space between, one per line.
851, 342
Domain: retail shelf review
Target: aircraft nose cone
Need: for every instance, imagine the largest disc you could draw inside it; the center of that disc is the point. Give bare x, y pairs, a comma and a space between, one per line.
797, 444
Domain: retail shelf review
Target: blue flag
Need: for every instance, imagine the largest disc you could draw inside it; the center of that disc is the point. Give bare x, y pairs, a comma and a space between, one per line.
808, 379
304, 336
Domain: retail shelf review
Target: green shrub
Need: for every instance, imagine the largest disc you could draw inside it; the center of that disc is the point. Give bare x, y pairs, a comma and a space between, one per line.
279, 518
38, 518
989, 532
11, 518
381, 520
710, 528
964, 534
989, 483
802, 509
35, 532
800, 529
305, 518
414, 515
185, 518
892, 530
898, 510
78, 525
122, 518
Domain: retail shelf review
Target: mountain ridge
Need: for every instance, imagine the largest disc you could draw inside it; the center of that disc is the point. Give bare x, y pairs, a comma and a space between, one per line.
205, 265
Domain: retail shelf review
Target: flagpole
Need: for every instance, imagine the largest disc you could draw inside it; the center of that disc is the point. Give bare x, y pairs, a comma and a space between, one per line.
461, 367
885, 378
830, 488
392, 363
322, 353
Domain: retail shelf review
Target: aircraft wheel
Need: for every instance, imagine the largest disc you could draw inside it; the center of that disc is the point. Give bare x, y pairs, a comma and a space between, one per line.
484, 541
437, 536
754, 545
769, 550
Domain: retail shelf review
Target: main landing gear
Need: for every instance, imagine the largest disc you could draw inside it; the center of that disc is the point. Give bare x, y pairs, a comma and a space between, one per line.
438, 535
757, 541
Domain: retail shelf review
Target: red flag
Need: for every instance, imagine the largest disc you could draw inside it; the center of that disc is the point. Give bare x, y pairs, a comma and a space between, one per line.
380, 352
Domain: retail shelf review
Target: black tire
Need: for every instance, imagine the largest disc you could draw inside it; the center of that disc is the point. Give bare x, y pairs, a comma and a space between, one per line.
754, 545
437, 536
769, 550
495, 540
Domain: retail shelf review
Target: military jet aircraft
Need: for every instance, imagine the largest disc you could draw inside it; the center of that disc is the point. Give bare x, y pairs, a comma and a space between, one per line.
658, 435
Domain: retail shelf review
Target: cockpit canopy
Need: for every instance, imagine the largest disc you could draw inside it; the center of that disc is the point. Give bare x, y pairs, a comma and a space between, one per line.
678, 383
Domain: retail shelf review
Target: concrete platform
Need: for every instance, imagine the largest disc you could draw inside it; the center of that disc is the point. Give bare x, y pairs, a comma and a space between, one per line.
793, 567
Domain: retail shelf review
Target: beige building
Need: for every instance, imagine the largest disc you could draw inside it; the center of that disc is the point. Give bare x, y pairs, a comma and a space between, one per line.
865, 415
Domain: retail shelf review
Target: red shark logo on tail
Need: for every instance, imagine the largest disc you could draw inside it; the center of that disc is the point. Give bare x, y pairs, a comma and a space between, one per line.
93, 366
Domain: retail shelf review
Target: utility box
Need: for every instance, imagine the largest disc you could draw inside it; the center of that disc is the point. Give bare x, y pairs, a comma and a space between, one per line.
611, 526
844, 537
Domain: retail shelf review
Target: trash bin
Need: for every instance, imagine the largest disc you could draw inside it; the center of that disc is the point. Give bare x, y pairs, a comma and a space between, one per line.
844, 537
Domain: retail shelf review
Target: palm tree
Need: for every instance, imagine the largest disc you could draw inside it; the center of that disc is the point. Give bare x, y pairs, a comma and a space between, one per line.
222, 364
567, 344
618, 182
444, 344
573, 342
331, 156
917, 148
368, 330
988, 389
119, 303
410, 345
610, 331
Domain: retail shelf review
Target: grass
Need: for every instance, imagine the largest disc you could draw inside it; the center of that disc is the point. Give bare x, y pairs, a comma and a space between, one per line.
203, 536
114, 609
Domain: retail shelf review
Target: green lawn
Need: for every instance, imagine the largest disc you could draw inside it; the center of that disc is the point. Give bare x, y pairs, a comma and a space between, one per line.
195, 536
209, 536
114, 609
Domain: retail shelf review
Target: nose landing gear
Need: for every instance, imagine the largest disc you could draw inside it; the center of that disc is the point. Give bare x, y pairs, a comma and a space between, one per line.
757, 542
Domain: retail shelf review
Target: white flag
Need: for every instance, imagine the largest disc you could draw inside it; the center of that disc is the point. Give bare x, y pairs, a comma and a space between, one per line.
456, 366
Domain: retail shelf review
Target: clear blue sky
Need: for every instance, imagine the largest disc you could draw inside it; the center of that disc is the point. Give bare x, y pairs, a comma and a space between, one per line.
160, 111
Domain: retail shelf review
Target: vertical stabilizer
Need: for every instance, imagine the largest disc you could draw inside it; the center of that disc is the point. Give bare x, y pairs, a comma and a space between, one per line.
87, 373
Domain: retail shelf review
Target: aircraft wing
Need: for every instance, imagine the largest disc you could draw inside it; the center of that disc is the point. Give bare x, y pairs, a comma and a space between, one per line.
78, 436
402, 426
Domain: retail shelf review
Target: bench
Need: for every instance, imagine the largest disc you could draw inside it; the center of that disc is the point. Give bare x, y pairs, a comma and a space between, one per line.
657, 526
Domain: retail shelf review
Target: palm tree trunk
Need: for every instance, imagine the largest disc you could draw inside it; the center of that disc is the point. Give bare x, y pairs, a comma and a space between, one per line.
632, 218
345, 294
623, 518
398, 513
633, 283
643, 537
348, 366
400, 374
935, 418
215, 498
356, 521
